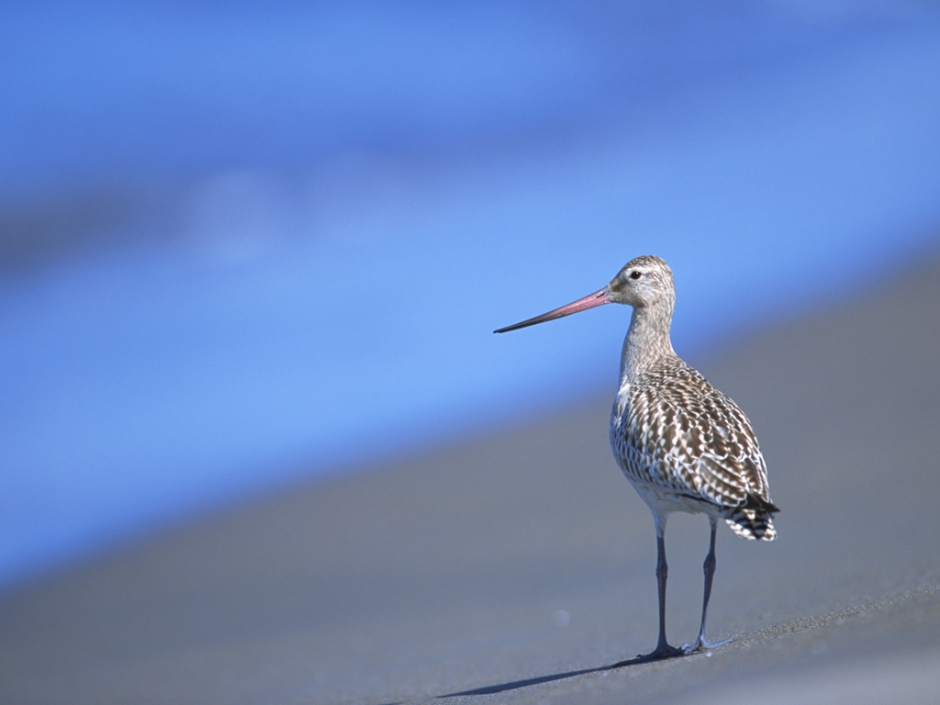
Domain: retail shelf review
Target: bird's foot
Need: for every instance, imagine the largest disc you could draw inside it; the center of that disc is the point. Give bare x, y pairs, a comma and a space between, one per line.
702, 643
663, 650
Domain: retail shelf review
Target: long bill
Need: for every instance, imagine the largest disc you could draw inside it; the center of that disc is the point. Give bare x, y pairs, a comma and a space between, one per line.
598, 298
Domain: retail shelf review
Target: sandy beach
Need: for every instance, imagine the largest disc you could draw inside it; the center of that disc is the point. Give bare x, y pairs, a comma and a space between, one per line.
515, 567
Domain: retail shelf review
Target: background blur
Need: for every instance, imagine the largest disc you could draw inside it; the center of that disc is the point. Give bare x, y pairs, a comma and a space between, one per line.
243, 245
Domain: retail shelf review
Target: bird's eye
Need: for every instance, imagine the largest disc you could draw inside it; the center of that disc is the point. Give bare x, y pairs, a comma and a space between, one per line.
635, 274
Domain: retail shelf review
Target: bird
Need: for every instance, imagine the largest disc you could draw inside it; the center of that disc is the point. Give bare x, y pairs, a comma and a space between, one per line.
682, 444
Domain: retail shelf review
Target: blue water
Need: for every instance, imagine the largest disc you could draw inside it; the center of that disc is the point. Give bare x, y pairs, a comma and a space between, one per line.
357, 196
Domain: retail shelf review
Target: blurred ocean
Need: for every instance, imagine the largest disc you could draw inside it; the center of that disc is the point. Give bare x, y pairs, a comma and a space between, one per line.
244, 244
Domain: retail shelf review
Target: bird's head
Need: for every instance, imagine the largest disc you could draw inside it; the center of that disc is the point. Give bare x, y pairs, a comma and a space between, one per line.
643, 281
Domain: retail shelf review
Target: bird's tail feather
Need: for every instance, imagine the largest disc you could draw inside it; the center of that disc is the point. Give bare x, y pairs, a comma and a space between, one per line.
753, 519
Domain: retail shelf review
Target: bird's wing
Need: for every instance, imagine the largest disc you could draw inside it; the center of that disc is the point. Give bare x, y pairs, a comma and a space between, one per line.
723, 449
696, 442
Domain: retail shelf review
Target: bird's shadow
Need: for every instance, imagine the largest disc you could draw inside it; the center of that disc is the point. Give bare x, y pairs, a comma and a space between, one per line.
515, 685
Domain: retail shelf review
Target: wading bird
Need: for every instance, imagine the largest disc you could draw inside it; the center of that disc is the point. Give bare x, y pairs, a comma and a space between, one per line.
683, 445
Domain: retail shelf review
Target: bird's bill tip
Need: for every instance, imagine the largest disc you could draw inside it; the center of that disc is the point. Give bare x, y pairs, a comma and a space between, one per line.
598, 298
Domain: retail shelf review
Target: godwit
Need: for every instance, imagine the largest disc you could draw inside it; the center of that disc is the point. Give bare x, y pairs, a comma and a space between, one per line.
683, 445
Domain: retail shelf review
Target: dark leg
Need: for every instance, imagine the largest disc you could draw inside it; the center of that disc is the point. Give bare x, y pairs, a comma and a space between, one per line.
709, 567
663, 649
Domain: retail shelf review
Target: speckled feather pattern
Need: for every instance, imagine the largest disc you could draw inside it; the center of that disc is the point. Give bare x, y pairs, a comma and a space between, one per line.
685, 446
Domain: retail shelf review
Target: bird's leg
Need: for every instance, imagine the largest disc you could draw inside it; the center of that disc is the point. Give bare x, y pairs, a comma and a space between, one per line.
710, 563
662, 574
663, 649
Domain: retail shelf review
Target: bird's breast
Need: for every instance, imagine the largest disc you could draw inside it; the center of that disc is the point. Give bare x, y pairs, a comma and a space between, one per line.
621, 409
636, 439
622, 435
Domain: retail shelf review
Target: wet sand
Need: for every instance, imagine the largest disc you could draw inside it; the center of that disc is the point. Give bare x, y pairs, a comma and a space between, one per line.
508, 564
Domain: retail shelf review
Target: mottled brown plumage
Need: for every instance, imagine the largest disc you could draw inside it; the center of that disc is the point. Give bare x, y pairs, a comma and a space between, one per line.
685, 446
682, 444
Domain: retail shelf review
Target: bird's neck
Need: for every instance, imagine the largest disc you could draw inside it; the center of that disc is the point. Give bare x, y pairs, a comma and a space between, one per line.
647, 341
